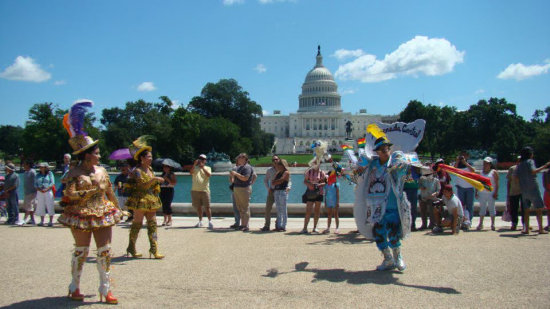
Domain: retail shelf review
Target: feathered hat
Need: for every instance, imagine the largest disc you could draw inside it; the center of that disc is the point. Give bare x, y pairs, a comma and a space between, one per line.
381, 138
73, 121
140, 145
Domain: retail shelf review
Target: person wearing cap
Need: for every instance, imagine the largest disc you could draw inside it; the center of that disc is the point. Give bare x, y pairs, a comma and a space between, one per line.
429, 188
11, 184
29, 200
487, 198
513, 195
91, 207
530, 192
44, 183
200, 189
144, 189
388, 212
120, 181
280, 193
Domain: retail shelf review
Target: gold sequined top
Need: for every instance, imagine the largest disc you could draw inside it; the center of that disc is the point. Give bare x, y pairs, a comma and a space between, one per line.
85, 194
143, 193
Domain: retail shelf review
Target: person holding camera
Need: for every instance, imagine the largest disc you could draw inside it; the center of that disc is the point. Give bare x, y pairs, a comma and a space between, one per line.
454, 214
200, 189
464, 190
242, 179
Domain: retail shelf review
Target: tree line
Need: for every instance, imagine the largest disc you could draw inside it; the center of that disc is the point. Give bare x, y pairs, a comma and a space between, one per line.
491, 126
223, 118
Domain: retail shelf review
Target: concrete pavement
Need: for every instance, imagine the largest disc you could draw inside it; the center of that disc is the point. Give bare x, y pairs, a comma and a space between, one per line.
222, 268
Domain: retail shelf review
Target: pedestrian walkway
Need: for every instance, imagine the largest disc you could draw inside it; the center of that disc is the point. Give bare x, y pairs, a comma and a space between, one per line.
223, 268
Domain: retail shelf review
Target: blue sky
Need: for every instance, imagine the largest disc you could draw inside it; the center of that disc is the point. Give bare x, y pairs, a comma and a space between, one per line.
382, 53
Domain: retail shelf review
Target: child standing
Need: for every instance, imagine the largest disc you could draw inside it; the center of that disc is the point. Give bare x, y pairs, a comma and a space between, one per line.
332, 203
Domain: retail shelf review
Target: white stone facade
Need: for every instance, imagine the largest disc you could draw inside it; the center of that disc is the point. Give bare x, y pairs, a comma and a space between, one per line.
319, 116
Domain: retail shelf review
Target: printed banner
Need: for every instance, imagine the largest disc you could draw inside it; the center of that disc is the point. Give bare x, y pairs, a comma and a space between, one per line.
403, 136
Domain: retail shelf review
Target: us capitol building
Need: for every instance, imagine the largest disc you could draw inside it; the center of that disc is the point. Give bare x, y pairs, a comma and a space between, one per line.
319, 116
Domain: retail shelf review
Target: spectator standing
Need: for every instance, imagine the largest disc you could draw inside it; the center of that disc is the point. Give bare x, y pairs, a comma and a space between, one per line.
487, 198
270, 199
530, 192
44, 184
332, 204
280, 193
66, 163
11, 184
167, 193
120, 181
29, 200
513, 196
443, 177
411, 190
314, 179
242, 189
200, 189
429, 189
546, 185
464, 190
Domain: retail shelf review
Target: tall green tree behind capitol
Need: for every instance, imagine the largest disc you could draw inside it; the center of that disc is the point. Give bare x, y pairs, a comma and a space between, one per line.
225, 118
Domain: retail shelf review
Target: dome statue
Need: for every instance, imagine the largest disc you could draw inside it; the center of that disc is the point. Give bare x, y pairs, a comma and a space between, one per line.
319, 90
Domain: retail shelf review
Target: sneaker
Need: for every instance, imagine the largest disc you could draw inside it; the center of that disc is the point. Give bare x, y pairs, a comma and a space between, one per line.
479, 227
315, 230
304, 231
199, 224
41, 224
50, 224
20, 223
32, 222
210, 225
336, 231
234, 226
245, 229
265, 229
437, 229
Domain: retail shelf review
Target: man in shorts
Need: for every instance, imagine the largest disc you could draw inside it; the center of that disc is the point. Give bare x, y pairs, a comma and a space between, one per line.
200, 189
454, 214
29, 200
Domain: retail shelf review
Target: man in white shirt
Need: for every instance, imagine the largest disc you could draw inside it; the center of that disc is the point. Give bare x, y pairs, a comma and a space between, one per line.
453, 216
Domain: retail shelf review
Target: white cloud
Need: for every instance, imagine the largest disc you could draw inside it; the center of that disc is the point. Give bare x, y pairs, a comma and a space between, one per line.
231, 2
273, 1
260, 68
146, 86
518, 71
342, 54
346, 91
480, 91
420, 55
25, 69
265, 113
59, 82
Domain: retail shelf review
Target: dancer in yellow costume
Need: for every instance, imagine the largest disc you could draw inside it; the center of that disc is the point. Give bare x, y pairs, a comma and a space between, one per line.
90, 205
144, 188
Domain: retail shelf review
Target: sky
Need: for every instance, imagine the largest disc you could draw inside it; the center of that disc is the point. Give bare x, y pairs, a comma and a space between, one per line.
382, 53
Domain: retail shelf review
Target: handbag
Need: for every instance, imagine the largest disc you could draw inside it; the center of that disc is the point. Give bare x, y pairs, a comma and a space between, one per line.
312, 194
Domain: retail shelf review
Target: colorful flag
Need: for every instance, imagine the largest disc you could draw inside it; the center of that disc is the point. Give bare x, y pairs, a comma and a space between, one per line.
361, 142
345, 147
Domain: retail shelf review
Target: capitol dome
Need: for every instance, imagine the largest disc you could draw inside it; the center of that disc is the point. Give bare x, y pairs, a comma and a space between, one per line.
319, 90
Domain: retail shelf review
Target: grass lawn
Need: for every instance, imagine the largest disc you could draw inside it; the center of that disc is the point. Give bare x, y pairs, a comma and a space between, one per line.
300, 159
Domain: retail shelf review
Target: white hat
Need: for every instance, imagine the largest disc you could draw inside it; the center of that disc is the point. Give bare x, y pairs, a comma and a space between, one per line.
488, 160
202, 156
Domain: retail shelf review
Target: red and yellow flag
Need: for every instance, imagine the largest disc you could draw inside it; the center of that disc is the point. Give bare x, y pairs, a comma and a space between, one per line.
361, 142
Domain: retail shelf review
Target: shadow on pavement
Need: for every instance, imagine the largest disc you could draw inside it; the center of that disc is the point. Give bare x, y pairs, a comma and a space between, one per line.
349, 238
52, 302
357, 277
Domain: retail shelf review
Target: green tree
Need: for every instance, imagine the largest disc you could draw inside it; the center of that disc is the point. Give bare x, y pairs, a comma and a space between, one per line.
44, 137
11, 140
226, 99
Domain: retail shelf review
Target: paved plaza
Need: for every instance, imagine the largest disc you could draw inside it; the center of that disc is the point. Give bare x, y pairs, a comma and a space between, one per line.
223, 268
